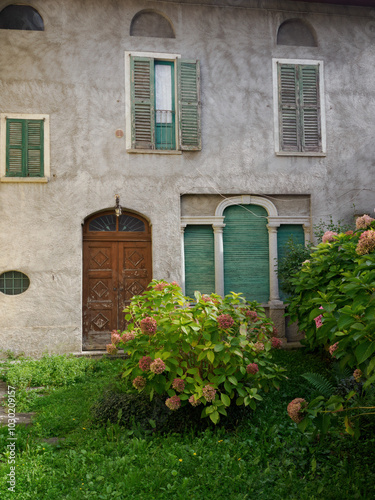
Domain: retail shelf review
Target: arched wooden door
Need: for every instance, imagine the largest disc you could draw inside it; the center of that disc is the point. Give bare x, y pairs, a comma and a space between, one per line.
117, 264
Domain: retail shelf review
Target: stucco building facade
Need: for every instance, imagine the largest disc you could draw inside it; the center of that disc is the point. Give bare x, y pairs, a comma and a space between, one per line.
223, 126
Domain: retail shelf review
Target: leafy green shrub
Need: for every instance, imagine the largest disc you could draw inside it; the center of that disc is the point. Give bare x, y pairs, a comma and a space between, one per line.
53, 370
131, 410
323, 226
215, 351
291, 263
334, 304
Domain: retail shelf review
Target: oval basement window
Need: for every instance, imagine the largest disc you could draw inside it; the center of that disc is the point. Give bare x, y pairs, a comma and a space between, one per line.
13, 283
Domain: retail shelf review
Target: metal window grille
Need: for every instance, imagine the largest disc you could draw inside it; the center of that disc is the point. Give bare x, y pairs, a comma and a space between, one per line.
13, 283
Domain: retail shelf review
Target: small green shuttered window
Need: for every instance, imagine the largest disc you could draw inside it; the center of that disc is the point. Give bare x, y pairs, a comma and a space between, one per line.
199, 259
299, 108
284, 233
24, 148
154, 113
246, 252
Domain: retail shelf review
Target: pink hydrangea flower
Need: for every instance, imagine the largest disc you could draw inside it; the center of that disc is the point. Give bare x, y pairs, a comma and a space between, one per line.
206, 298
209, 393
366, 243
295, 409
252, 315
148, 325
333, 348
111, 349
318, 321
157, 366
115, 337
127, 336
193, 401
173, 403
160, 286
357, 374
225, 321
139, 382
363, 222
178, 384
258, 347
328, 236
276, 343
174, 283
144, 363
252, 368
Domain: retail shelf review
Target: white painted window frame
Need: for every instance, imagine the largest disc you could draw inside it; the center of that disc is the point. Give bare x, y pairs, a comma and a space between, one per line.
312, 62
46, 147
128, 132
218, 223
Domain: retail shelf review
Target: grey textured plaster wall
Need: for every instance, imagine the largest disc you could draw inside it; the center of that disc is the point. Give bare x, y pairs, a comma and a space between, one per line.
74, 72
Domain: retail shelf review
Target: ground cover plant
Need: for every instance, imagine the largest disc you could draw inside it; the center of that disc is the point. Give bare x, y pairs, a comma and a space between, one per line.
265, 457
334, 303
34, 377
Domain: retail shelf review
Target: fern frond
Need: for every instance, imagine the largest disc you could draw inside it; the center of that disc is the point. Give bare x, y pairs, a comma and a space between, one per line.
340, 372
320, 383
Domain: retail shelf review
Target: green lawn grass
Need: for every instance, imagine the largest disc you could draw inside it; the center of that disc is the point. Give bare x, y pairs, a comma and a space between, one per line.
265, 458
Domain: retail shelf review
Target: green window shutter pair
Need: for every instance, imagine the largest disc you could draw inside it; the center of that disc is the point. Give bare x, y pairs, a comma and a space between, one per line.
24, 148
143, 103
299, 108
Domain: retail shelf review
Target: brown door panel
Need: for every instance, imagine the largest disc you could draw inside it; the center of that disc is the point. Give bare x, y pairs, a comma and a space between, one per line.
114, 270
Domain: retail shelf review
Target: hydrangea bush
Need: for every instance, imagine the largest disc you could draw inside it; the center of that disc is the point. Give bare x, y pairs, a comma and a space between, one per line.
334, 304
212, 352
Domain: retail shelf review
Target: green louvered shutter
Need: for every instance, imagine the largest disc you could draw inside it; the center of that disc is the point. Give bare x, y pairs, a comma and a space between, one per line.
288, 108
34, 148
299, 108
142, 103
246, 252
199, 259
25, 142
15, 150
310, 108
284, 233
189, 106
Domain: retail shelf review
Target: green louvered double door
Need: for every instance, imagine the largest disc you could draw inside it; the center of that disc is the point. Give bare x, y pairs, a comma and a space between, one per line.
246, 253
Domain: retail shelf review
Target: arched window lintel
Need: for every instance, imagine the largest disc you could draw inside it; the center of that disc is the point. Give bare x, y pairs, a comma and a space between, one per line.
247, 200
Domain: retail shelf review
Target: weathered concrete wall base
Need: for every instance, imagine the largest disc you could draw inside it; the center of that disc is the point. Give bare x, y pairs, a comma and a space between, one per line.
291, 331
36, 341
277, 316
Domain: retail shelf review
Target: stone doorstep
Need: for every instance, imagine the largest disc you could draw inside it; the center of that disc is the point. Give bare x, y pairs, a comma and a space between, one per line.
288, 346
52, 441
22, 418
